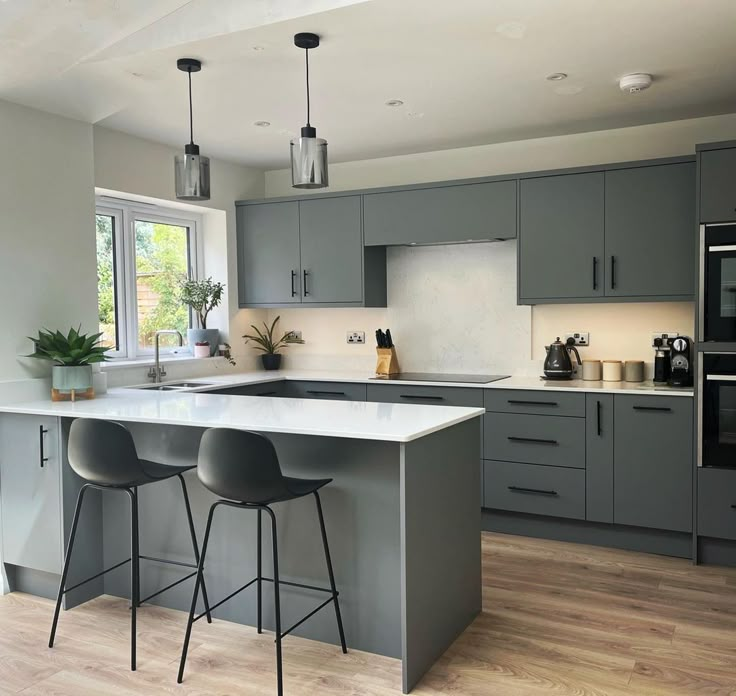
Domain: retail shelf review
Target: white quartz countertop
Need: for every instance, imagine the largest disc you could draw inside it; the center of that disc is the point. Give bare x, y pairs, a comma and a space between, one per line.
536, 383
348, 419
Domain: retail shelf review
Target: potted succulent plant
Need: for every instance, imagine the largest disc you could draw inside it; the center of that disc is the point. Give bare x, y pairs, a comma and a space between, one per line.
202, 296
72, 357
264, 341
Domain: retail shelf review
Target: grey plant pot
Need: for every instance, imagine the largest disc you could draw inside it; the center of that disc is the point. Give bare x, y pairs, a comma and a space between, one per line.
271, 361
212, 336
68, 379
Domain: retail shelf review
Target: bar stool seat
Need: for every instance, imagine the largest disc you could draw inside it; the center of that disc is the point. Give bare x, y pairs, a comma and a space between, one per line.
103, 454
243, 469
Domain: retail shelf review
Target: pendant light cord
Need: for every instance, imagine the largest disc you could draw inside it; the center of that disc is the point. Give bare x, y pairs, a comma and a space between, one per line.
306, 53
191, 118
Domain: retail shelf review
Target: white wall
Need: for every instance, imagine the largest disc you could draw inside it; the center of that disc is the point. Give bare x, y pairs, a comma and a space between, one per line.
126, 164
46, 232
617, 330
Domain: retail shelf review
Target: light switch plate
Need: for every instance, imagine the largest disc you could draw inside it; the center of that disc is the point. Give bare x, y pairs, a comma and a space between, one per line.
356, 337
581, 338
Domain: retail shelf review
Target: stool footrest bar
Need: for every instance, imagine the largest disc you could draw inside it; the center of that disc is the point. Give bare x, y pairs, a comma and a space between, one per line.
308, 616
222, 601
168, 587
183, 564
94, 577
298, 584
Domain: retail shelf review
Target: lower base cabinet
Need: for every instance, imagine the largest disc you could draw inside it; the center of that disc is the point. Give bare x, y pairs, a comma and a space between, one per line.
717, 503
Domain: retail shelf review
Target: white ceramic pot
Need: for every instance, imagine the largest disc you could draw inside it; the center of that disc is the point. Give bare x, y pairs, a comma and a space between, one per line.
71, 379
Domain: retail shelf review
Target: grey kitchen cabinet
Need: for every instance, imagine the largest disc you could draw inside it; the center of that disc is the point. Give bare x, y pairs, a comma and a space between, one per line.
650, 231
599, 457
308, 253
441, 214
276, 388
335, 391
561, 237
535, 401
653, 462
717, 189
268, 254
30, 492
717, 503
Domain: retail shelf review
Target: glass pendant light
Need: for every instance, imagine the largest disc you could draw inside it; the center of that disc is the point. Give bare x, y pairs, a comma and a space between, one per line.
191, 170
308, 153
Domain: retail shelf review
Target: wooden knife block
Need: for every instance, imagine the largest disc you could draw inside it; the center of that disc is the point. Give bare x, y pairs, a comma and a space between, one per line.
387, 364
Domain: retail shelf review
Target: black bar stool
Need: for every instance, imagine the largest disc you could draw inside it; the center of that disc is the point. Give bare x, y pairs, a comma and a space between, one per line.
243, 468
104, 455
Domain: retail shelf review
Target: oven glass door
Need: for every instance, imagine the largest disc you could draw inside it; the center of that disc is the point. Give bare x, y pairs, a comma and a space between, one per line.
720, 284
719, 410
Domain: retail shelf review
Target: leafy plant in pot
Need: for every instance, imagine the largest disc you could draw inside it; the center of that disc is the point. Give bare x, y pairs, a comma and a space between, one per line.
72, 357
264, 341
202, 296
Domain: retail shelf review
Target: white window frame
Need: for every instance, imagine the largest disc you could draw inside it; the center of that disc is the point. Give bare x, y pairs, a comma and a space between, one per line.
125, 214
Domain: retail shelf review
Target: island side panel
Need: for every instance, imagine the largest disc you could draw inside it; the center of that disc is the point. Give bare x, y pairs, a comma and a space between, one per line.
440, 531
361, 508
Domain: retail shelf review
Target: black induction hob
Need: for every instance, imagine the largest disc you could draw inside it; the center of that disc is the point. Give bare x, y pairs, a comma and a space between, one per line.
442, 377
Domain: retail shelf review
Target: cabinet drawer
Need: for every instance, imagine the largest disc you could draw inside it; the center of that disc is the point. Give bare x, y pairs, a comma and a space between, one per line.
334, 391
535, 401
540, 490
263, 389
548, 440
440, 396
717, 503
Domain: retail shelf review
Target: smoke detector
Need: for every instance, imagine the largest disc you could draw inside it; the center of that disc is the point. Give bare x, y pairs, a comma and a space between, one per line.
633, 84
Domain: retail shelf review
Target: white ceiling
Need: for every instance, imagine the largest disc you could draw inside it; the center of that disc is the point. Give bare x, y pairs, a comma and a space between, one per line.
469, 71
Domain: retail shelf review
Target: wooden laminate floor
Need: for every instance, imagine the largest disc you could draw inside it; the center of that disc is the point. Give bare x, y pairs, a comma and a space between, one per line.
557, 619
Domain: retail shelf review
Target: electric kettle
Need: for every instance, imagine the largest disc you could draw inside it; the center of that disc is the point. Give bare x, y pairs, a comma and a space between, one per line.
558, 364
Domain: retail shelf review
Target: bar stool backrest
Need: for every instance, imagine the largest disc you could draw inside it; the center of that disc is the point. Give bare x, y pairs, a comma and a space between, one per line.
103, 452
240, 465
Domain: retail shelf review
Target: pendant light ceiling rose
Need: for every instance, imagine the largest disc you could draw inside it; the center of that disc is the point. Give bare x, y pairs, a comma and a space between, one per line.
306, 40
189, 65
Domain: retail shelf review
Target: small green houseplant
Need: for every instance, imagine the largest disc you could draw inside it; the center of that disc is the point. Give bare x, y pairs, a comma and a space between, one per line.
72, 356
202, 296
265, 342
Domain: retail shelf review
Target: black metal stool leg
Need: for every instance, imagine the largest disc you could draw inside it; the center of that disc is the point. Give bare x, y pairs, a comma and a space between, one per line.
259, 571
276, 604
195, 546
195, 594
67, 559
331, 573
134, 573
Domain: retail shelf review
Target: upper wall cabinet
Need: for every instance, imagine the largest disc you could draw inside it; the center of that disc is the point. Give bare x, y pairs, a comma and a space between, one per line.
598, 236
307, 253
441, 214
717, 184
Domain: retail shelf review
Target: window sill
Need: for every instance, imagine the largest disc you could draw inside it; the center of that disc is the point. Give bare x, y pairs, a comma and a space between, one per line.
148, 361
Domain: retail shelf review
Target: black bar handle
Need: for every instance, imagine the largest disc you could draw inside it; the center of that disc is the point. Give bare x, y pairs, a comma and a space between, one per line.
595, 273
532, 403
536, 491
535, 440
661, 409
325, 393
734, 506
613, 272
422, 397
306, 292
293, 287
41, 454
270, 393
598, 413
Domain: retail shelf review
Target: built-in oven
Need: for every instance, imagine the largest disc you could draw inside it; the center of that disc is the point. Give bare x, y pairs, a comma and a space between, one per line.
717, 410
718, 291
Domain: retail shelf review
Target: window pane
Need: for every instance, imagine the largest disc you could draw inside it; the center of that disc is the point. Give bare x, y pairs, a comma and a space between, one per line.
161, 262
107, 281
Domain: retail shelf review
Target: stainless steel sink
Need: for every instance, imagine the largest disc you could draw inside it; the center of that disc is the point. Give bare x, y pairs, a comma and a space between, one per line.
174, 386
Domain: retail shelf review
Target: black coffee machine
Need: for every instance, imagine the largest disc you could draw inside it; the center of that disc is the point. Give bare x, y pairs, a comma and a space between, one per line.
681, 362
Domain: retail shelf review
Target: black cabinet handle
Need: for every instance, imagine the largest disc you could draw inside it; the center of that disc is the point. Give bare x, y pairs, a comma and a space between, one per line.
734, 507
535, 440
422, 397
306, 292
661, 409
598, 413
531, 403
595, 273
41, 454
293, 287
271, 393
535, 491
325, 393
613, 272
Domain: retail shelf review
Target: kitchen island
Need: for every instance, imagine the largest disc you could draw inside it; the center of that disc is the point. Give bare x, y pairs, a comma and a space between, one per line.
402, 512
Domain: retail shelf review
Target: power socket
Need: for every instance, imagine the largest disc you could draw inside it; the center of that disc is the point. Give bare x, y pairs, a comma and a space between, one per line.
294, 336
356, 337
664, 336
581, 338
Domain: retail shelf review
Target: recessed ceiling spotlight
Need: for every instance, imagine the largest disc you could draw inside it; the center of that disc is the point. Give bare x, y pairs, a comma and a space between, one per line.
259, 48
394, 102
633, 84
262, 124
556, 76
